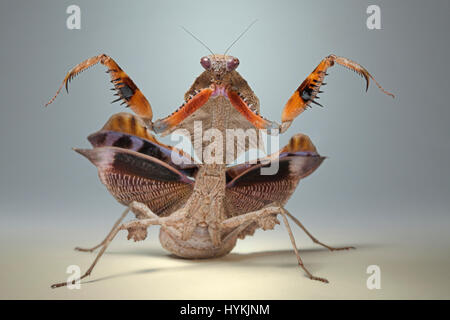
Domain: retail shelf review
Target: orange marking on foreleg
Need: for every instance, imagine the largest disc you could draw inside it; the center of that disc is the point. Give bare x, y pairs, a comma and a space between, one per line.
307, 92
183, 112
240, 105
127, 91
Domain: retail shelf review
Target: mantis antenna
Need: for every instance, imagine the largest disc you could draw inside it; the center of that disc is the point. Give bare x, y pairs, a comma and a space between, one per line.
192, 35
240, 36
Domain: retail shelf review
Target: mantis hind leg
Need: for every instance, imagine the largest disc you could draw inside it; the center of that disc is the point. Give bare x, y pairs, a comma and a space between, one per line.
297, 254
141, 211
124, 214
105, 245
312, 237
262, 217
136, 232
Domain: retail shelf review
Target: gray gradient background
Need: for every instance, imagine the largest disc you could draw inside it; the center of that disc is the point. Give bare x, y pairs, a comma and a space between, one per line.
385, 187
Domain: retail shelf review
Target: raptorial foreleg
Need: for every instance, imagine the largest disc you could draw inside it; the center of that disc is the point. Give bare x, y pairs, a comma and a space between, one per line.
307, 92
126, 90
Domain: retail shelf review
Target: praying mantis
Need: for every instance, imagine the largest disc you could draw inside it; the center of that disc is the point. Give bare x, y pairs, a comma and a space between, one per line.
202, 208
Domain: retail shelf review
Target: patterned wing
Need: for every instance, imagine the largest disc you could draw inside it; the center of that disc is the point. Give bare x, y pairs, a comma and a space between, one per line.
133, 176
249, 188
124, 130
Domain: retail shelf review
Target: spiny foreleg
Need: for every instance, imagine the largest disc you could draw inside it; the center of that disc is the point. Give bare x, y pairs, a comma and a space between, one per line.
126, 90
307, 92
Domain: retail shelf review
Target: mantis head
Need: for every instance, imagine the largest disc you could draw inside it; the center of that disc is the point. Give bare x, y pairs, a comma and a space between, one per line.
219, 64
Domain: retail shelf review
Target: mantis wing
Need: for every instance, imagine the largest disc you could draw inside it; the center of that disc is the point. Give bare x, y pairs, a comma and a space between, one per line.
124, 130
132, 176
252, 187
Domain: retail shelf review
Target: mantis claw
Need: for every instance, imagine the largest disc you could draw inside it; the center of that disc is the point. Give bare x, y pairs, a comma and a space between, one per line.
307, 92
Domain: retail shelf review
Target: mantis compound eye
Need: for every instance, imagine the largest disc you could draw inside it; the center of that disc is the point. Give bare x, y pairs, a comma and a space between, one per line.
232, 64
205, 62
